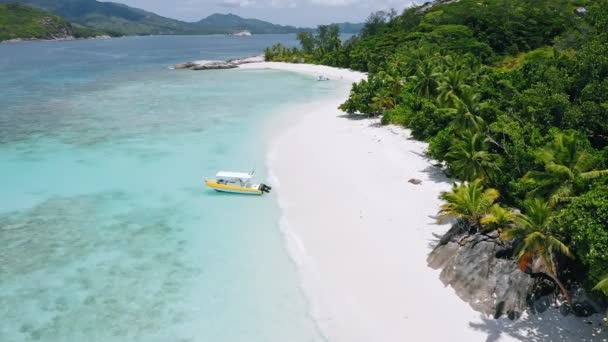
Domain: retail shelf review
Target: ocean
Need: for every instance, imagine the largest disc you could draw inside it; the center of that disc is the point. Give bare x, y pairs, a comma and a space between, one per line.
107, 232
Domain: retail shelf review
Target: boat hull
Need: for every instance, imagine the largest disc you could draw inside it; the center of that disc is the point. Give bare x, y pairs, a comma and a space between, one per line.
233, 188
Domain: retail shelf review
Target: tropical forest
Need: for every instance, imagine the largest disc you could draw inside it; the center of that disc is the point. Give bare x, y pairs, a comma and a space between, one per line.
512, 98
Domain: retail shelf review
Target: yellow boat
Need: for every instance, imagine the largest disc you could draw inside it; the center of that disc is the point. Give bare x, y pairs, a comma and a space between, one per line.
236, 182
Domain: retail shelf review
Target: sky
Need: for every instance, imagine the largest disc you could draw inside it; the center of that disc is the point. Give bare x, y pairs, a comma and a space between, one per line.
286, 12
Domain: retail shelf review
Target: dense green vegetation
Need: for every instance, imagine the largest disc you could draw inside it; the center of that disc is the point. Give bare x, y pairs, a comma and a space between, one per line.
23, 22
111, 17
512, 96
119, 19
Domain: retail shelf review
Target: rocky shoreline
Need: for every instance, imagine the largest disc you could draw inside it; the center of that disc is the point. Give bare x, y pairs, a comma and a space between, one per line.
215, 65
478, 267
67, 38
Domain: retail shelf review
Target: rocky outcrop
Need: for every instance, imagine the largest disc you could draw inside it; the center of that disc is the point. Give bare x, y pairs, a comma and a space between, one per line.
57, 29
252, 59
428, 5
211, 65
585, 304
479, 269
206, 65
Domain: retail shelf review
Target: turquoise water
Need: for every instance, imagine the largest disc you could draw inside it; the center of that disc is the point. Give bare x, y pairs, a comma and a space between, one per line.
106, 230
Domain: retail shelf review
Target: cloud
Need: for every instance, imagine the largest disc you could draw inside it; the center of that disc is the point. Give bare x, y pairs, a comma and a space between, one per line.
236, 3
283, 3
335, 3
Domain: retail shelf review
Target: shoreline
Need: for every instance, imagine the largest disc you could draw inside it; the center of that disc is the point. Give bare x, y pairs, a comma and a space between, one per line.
360, 234
64, 39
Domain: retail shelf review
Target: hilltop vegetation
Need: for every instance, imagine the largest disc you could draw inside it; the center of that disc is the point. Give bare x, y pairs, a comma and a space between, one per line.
512, 96
106, 16
222, 23
23, 22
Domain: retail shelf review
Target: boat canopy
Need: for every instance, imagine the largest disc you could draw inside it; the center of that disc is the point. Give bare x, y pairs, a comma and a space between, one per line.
233, 175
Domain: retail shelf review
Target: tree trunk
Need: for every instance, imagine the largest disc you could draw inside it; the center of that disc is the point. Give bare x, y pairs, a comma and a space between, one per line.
561, 287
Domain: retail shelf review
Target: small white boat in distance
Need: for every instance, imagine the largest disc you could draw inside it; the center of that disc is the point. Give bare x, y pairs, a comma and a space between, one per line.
237, 182
323, 78
243, 33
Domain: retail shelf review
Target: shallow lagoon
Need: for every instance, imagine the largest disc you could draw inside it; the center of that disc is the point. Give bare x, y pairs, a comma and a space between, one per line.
106, 230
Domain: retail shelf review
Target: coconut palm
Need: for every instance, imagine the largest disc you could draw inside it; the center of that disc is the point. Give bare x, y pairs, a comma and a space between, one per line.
382, 102
499, 218
469, 157
452, 84
469, 202
565, 163
425, 79
408, 60
537, 249
467, 111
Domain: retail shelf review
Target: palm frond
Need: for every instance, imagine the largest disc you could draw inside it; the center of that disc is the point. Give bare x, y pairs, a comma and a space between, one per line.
561, 194
561, 171
594, 174
602, 286
469, 200
489, 197
499, 218
514, 233
538, 213
557, 245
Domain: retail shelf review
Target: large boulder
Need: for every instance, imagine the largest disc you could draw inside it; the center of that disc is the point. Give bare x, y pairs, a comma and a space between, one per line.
478, 268
209, 65
246, 60
585, 304
206, 65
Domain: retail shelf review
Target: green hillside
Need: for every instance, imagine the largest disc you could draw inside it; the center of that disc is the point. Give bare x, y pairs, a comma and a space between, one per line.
23, 22
120, 19
222, 23
108, 16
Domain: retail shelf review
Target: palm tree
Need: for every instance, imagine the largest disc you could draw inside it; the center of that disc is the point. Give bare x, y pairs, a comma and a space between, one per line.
409, 60
469, 202
382, 102
425, 78
565, 163
451, 86
469, 157
467, 111
537, 249
499, 218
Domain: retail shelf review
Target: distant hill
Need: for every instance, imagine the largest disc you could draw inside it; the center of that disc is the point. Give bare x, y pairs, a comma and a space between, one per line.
23, 22
120, 19
109, 16
227, 23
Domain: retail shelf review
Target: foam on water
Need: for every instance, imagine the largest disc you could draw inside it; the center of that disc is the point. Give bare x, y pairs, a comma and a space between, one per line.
106, 231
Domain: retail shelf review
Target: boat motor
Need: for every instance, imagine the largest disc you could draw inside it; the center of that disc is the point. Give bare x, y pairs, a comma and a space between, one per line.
265, 188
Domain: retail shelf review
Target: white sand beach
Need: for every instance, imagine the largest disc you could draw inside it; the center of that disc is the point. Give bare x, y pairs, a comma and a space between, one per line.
360, 233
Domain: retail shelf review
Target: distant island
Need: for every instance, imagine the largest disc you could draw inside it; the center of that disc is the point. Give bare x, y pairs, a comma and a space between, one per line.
120, 20
19, 22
